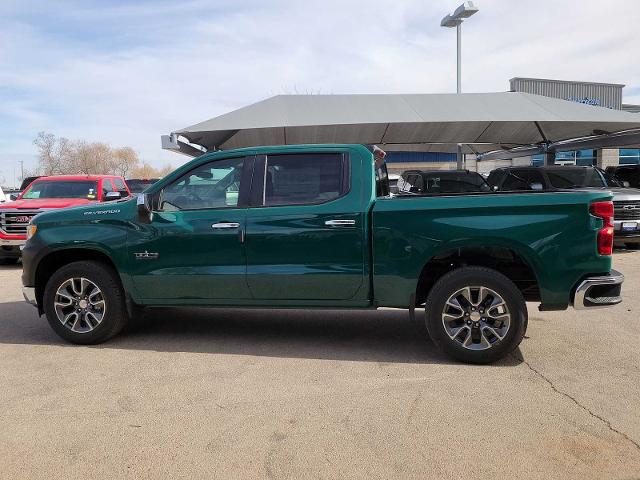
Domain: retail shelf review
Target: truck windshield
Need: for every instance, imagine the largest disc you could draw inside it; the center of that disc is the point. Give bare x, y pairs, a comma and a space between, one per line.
61, 189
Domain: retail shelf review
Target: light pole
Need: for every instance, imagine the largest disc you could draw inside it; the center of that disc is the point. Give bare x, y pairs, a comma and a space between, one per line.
455, 20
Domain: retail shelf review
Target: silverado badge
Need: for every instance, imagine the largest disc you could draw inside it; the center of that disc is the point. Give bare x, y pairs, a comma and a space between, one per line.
146, 255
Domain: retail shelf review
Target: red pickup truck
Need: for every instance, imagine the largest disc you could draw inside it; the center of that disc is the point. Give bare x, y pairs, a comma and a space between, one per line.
49, 193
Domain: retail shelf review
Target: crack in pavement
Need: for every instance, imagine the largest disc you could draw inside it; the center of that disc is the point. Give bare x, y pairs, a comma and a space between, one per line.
566, 395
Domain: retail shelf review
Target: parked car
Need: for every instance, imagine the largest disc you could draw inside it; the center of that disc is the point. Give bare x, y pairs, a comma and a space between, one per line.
138, 185
441, 181
626, 201
46, 193
628, 174
301, 226
3, 197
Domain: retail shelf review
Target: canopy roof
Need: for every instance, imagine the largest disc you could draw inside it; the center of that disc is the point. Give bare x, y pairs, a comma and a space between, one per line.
481, 121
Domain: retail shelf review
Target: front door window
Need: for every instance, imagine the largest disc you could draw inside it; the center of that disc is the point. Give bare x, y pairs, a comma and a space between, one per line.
213, 185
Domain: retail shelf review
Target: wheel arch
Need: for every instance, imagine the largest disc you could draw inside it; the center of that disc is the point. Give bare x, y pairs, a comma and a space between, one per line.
58, 258
508, 260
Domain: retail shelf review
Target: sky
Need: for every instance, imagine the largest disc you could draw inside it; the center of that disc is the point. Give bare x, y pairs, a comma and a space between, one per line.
125, 73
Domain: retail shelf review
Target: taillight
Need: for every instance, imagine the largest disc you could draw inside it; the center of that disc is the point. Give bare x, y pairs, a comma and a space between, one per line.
604, 210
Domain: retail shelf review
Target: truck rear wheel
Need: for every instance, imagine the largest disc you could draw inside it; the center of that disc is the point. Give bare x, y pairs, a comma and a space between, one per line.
84, 303
476, 315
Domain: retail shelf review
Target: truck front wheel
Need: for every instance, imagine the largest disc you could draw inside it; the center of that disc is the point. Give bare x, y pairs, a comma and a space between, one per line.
84, 304
476, 315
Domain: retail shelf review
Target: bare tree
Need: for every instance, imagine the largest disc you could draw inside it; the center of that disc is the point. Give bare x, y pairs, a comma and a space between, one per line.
164, 171
125, 159
149, 171
52, 153
59, 155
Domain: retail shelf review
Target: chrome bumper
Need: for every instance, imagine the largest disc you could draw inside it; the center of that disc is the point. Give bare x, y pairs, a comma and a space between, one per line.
598, 292
29, 294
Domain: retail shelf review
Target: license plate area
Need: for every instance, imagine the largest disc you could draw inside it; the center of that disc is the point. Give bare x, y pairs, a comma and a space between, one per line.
629, 226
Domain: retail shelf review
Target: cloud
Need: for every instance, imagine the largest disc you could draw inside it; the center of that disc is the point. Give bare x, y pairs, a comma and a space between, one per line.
125, 74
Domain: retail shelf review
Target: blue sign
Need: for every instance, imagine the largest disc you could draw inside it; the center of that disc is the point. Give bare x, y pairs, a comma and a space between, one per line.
585, 100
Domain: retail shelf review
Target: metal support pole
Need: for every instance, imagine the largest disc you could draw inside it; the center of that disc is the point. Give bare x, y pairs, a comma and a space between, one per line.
459, 57
459, 157
549, 157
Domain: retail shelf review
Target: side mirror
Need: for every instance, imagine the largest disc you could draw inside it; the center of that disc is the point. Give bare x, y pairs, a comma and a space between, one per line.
626, 184
110, 196
13, 197
535, 186
145, 215
494, 188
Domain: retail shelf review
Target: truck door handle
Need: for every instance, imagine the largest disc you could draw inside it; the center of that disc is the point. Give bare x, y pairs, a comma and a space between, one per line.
340, 223
221, 225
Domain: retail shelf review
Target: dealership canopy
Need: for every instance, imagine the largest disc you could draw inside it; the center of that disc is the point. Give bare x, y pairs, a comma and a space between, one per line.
481, 122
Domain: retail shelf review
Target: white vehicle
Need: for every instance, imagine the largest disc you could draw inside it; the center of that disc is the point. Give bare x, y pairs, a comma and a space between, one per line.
3, 197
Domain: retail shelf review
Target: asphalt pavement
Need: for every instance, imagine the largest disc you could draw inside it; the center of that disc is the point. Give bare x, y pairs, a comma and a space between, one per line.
197, 393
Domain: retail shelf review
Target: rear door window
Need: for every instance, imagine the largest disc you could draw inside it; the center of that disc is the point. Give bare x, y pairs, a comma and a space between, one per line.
304, 179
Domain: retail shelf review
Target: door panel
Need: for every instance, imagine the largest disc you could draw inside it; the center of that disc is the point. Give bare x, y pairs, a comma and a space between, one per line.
296, 256
194, 260
305, 251
194, 247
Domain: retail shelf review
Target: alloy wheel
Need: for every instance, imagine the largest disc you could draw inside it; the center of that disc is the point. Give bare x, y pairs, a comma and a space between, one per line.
476, 317
79, 305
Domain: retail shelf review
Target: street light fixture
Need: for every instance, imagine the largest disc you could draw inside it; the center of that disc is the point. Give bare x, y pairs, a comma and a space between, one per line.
455, 20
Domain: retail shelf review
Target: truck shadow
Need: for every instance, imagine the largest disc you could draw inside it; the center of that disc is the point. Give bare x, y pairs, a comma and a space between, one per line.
370, 336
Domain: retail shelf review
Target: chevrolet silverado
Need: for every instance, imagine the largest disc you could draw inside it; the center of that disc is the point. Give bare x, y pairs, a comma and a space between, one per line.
314, 226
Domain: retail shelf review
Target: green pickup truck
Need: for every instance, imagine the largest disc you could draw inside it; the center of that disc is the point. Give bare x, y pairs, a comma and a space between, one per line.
314, 226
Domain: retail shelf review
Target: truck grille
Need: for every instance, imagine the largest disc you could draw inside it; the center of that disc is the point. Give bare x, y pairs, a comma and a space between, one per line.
628, 210
14, 222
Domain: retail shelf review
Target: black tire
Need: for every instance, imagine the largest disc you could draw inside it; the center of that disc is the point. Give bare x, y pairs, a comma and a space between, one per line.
632, 246
453, 281
106, 279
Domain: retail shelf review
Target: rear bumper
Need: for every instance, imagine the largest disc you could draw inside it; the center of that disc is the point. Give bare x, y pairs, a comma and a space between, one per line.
600, 291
